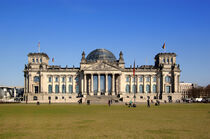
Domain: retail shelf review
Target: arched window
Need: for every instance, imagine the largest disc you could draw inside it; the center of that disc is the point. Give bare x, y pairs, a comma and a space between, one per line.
168, 79
36, 78
154, 88
70, 89
63, 88
148, 88
134, 88
56, 88
35, 98
141, 88
171, 60
49, 88
127, 89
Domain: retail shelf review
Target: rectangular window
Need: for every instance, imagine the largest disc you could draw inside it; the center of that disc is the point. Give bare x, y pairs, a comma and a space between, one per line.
154, 90
70, 79
50, 89
154, 79
134, 79
77, 79
56, 79
77, 89
168, 88
37, 60
141, 89
40, 60
70, 89
63, 88
50, 79
63, 79
127, 79
56, 88
148, 88
148, 79
141, 79
33, 60
127, 89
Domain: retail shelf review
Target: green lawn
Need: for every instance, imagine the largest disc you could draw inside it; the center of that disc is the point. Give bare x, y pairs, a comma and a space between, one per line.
101, 121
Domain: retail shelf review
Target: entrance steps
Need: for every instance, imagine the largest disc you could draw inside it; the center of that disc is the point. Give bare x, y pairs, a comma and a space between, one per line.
102, 99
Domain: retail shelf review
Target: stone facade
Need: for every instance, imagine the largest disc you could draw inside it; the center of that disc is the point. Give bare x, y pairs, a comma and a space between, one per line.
101, 74
185, 88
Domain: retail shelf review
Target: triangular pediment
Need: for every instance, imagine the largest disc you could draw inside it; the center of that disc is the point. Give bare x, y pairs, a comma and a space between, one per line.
102, 66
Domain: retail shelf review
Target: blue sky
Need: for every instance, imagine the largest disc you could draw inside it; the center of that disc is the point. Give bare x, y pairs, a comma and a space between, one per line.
138, 28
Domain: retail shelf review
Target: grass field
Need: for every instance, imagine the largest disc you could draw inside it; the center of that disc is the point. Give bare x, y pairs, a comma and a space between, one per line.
101, 121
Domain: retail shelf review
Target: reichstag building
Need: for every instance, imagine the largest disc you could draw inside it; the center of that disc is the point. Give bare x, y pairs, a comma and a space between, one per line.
101, 75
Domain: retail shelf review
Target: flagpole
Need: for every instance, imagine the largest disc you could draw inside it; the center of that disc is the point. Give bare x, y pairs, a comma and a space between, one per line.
134, 93
39, 46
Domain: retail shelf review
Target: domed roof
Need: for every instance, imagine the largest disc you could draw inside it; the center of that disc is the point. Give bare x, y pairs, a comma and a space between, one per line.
101, 54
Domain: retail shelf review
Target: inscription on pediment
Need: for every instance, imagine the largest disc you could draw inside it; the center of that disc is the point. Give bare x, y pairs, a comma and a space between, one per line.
101, 66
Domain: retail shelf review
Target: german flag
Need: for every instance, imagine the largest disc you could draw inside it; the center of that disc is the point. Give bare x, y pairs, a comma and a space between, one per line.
164, 45
134, 69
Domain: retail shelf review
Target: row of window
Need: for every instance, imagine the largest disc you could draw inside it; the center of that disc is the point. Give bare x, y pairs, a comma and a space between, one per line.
141, 79
70, 89
148, 89
63, 79
141, 88
154, 79
37, 60
167, 60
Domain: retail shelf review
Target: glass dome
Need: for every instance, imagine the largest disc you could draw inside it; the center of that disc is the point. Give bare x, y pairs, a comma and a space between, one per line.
101, 54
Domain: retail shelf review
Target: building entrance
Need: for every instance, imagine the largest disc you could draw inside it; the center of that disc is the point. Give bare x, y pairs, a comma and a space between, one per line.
36, 89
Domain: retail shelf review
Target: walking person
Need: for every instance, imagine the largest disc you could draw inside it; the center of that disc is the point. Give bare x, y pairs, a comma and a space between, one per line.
109, 103
148, 102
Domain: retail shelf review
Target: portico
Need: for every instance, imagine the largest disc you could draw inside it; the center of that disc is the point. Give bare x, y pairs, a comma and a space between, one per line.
100, 83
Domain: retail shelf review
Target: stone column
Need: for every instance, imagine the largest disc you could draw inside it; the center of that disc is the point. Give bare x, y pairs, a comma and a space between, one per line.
113, 84
60, 84
52, 84
137, 84
150, 84
40, 83
66, 84
119, 83
130, 91
81, 83
144, 82
158, 84
99, 87
106, 88
91, 85
29, 83
73, 83
163, 83
85, 85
